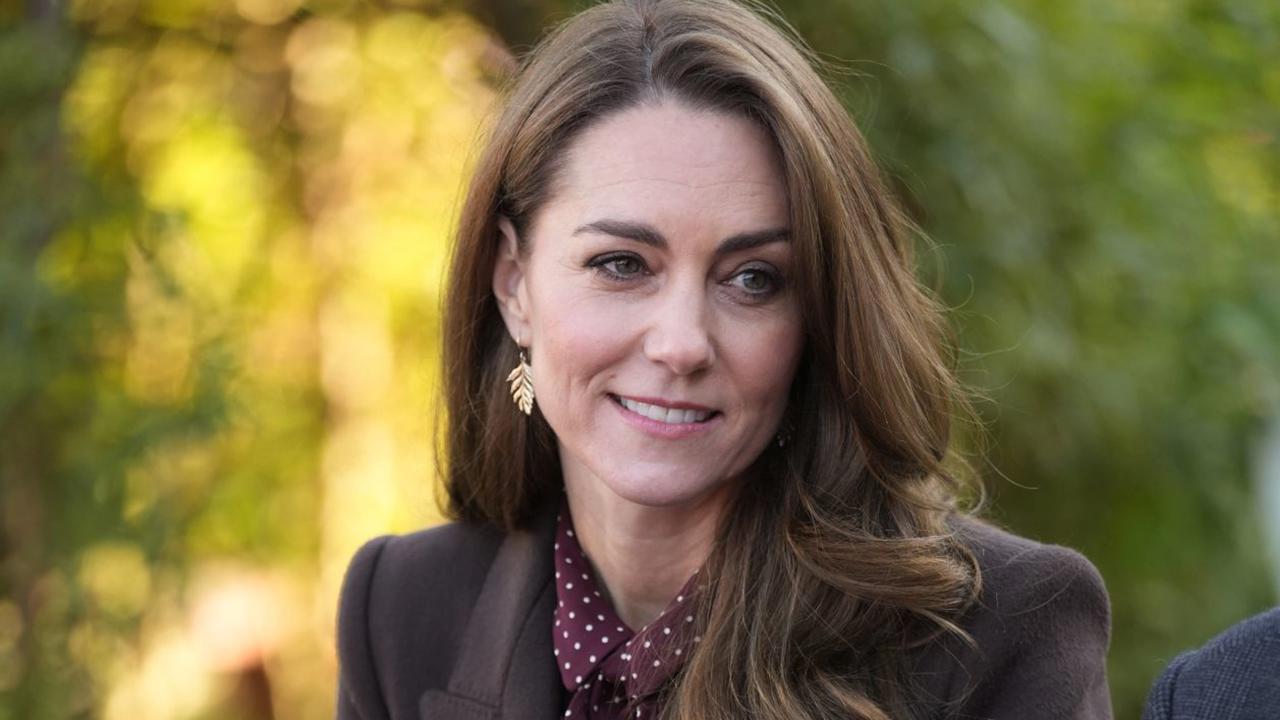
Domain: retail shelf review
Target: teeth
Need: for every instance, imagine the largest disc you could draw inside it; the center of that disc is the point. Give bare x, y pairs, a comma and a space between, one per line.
664, 415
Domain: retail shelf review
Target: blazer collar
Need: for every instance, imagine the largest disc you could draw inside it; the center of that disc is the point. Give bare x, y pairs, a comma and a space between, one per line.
506, 668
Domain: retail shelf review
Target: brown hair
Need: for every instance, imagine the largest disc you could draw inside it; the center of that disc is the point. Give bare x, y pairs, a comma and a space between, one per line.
835, 559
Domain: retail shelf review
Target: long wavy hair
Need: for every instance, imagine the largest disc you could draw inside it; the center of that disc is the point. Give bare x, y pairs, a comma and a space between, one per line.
836, 560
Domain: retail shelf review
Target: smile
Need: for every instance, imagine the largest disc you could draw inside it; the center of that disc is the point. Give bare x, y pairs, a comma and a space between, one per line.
664, 414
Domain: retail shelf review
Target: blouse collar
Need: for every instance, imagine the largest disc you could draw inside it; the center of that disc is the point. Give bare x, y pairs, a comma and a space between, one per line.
599, 657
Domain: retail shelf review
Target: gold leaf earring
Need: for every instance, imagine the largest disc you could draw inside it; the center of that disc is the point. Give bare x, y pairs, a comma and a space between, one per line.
521, 379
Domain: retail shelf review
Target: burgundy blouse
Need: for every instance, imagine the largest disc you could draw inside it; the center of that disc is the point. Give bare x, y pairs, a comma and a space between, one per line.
611, 671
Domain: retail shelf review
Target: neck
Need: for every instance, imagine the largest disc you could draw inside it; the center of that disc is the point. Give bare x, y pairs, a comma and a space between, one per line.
642, 554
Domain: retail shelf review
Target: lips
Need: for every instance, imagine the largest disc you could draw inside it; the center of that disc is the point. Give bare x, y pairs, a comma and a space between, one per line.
684, 414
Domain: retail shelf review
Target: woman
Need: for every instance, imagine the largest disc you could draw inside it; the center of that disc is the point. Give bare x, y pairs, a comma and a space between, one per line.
719, 491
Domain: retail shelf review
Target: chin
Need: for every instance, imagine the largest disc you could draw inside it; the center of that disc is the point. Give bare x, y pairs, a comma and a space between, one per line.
663, 486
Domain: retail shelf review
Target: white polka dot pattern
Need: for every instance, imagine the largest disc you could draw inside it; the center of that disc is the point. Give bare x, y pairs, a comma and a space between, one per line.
611, 671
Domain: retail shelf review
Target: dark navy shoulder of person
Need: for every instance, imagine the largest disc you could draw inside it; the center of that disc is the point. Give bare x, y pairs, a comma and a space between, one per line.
1235, 676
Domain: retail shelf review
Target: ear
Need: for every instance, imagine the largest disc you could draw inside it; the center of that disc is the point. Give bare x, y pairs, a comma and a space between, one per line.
509, 286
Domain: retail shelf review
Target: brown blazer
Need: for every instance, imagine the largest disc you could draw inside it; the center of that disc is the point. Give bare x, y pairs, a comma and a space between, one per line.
408, 647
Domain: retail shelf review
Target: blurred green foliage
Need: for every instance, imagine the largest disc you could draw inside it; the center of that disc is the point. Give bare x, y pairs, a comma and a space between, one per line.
1104, 182
221, 229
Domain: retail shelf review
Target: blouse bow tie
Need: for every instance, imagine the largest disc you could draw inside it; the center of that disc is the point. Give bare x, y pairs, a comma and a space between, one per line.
611, 671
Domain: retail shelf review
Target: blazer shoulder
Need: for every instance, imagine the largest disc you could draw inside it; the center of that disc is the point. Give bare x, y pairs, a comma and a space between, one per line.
1020, 575
442, 547
1159, 705
1039, 632
1257, 635
404, 602
1240, 664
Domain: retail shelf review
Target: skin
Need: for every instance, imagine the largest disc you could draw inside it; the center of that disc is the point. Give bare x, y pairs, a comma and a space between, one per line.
679, 318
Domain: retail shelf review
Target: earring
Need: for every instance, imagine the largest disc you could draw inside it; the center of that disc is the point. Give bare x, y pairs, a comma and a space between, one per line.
521, 379
784, 435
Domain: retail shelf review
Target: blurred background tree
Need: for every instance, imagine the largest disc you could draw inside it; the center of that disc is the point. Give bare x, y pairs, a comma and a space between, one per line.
222, 224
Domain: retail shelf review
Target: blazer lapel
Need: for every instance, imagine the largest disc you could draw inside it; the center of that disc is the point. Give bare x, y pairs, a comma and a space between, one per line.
506, 668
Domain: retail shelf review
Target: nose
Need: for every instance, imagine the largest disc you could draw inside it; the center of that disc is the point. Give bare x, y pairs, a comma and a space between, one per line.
679, 336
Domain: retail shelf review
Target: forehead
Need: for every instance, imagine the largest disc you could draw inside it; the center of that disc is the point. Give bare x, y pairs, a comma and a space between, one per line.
669, 164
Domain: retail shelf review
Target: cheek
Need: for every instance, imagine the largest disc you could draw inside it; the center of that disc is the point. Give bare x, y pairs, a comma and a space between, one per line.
764, 357
577, 339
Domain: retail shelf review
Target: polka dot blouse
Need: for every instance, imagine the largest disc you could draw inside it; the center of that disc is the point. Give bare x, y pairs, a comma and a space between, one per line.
611, 671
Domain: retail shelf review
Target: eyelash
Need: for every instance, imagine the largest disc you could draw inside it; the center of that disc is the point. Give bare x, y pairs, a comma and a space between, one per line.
601, 264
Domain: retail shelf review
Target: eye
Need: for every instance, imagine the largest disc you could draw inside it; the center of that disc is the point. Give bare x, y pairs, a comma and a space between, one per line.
619, 266
757, 282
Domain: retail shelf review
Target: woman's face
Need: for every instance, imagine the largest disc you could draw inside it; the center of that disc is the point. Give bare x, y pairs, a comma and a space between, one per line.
656, 300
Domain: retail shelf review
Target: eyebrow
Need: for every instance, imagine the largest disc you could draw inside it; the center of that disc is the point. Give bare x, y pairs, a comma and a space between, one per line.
648, 235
